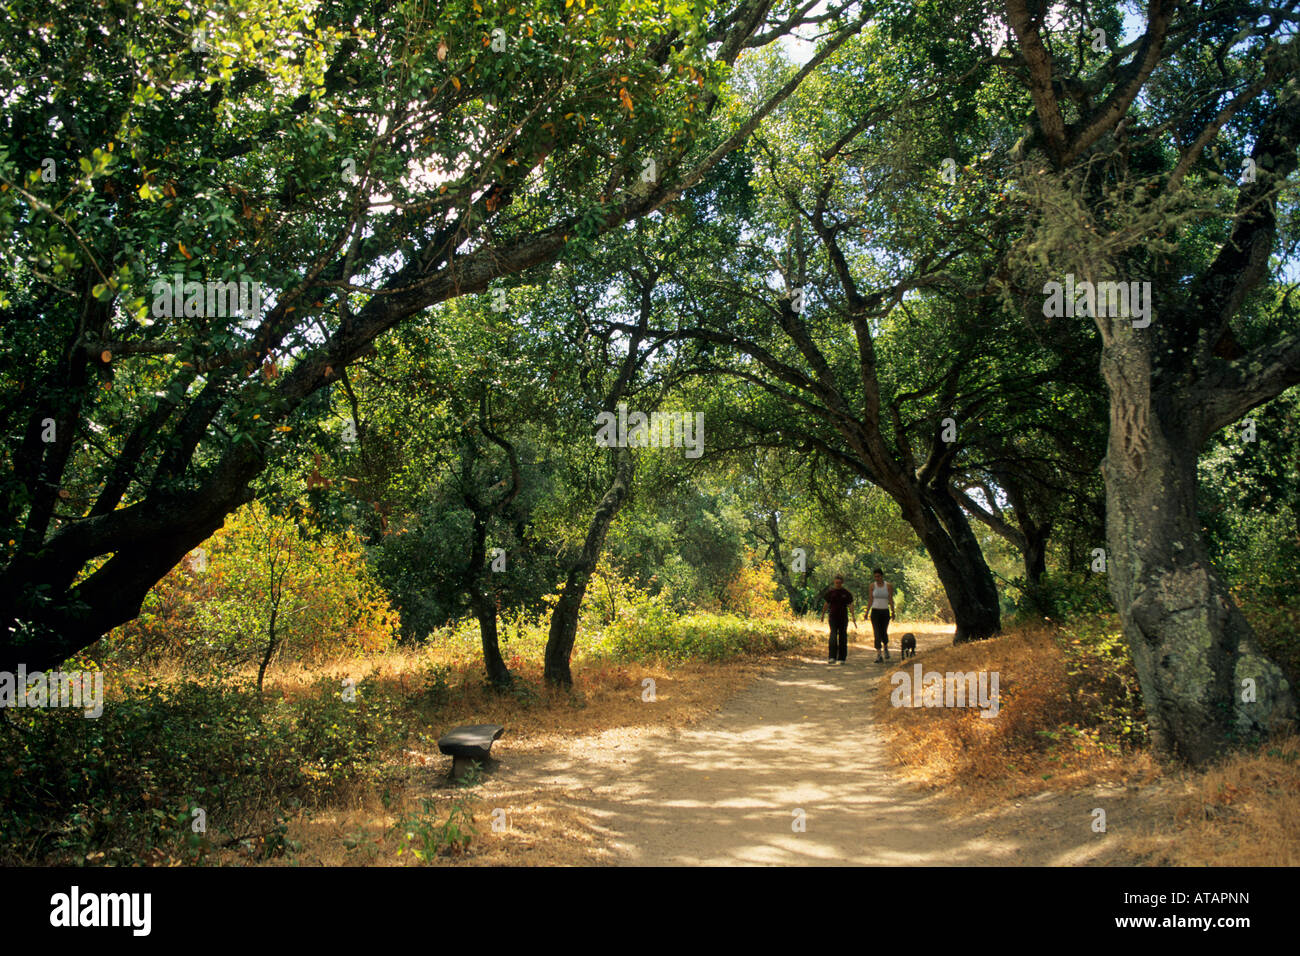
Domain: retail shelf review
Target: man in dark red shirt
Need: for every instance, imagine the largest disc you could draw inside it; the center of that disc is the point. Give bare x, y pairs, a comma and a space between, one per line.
838, 601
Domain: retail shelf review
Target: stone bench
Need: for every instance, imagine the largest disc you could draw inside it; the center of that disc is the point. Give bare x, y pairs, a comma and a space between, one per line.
469, 745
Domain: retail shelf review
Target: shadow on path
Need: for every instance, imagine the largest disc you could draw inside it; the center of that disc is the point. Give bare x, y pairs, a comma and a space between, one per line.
725, 791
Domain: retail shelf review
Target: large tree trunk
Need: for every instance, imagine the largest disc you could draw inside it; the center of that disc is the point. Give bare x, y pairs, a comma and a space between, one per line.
1174, 381
1205, 683
967, 581
564, 619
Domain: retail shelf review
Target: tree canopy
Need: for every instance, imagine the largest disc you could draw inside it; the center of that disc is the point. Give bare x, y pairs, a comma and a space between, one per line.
969, 289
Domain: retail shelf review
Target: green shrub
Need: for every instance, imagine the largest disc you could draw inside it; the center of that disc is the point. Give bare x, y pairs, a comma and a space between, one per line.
1102, 681
919, 592
122, 788
437, 683
621, 621
260, 569
1062, 596
426, 838
657, 633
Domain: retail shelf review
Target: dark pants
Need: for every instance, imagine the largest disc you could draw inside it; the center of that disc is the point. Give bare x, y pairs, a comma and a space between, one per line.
839, 640
880, 625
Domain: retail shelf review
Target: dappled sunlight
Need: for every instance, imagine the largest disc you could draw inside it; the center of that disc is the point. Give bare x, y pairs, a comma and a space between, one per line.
726, 790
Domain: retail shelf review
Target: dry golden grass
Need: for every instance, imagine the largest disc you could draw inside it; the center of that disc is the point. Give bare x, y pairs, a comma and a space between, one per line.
543, 830
1245, 810
1242, 811
358, 827
987, 761
605, 695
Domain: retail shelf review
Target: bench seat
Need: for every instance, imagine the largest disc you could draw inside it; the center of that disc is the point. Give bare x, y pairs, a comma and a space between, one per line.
469, 745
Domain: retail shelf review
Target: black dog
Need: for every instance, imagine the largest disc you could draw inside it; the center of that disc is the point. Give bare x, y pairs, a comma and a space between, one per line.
909, 645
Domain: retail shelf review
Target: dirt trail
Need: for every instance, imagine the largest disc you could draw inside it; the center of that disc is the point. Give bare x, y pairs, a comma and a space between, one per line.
724, 791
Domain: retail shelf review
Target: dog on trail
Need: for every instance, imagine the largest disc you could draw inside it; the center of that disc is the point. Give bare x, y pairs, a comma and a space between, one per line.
909, 645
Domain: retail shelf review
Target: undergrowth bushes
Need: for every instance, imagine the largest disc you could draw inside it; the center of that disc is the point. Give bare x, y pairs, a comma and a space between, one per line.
622, 622
125, 787
174, 769
700, 636
260, 585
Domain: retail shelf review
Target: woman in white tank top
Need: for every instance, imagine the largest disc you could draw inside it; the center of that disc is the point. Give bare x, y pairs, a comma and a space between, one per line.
882, 610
